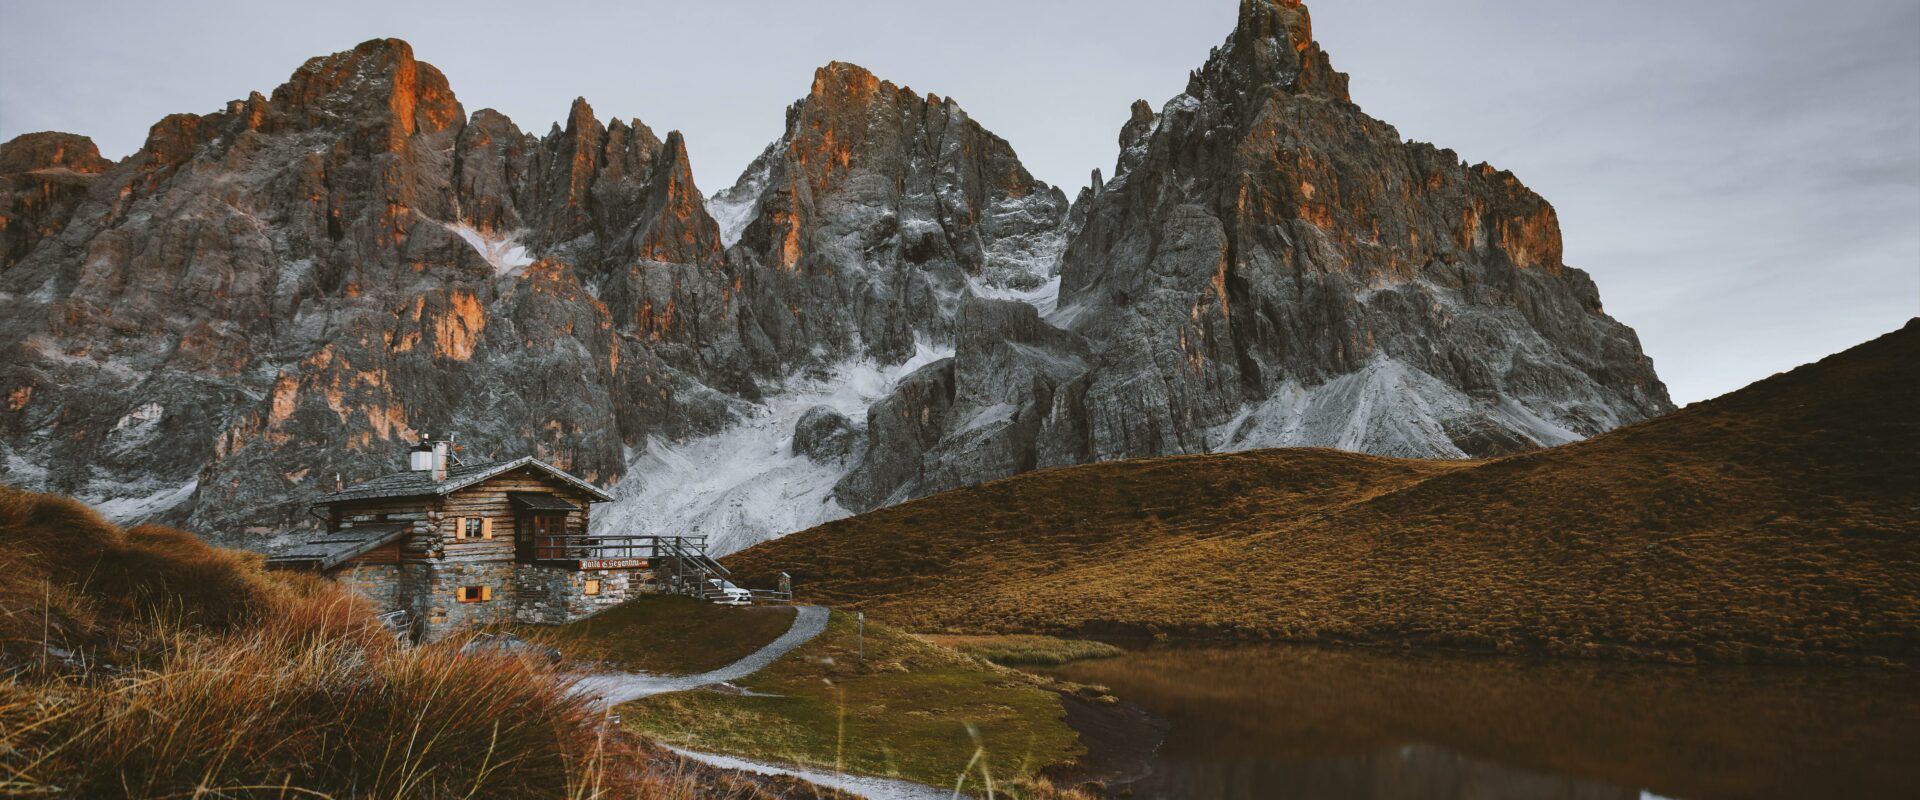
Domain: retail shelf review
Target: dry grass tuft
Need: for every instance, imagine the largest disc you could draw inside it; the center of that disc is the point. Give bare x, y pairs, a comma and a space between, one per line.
72, 580
1780, 523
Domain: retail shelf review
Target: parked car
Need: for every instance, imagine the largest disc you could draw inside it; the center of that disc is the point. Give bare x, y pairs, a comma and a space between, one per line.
722, 591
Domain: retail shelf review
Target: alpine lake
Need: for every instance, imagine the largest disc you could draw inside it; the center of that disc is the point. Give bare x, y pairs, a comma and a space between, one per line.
1283, 722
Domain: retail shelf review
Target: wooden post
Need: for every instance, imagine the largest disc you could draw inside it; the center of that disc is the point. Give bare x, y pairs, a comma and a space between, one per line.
860, 617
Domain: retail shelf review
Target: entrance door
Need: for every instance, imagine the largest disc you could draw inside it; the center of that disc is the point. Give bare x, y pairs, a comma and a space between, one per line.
545, 535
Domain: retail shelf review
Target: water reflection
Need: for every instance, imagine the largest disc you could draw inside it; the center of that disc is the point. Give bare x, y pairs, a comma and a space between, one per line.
1292, 722
1413, 772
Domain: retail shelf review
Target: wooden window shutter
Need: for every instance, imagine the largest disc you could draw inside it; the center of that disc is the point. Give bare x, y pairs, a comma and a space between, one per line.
459, 527
486, 593
486, 528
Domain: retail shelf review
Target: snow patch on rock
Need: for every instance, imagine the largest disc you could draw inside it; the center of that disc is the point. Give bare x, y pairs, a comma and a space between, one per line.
506, 254
1386, 408
745, 485
143, 417
22, 473
732, 208
1045, 297
130, 509
135, 430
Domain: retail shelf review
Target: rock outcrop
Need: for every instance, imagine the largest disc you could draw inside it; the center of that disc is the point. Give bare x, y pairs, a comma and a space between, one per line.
280, 295
824, 434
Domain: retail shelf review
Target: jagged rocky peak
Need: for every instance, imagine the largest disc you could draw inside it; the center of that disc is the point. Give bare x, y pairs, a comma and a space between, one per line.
1272, 46
1303, 276
886, 207
51, 150
1271, 267
378, 84
674, 225
592, 176
43, 177
1135, 135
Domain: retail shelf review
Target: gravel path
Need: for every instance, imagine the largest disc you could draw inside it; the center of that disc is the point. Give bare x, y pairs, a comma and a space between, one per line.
615, 688
860, 785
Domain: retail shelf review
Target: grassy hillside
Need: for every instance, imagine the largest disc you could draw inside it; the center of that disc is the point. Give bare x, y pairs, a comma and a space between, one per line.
1778, 523
145, 663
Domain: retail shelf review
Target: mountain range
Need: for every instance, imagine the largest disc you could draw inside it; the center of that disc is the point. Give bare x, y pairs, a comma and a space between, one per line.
278, 297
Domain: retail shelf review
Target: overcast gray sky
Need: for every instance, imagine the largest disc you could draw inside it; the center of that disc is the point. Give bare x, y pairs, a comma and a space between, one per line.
1742, 177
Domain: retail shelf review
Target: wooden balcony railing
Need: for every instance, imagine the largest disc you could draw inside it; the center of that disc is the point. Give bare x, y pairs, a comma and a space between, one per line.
613, 552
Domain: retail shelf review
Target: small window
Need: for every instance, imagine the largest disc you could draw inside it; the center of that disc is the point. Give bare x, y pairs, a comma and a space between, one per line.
475, 594
474, 527
591, 588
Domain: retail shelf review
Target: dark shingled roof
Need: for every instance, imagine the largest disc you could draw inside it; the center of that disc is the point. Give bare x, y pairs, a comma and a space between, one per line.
329, 550
420, 484
534, 501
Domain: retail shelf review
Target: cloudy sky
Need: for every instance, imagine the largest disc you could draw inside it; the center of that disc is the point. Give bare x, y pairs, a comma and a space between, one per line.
1742, 177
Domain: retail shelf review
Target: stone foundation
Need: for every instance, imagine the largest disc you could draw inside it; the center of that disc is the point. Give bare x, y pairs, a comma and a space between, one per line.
556, 596
439, 608
379, 583
526, 593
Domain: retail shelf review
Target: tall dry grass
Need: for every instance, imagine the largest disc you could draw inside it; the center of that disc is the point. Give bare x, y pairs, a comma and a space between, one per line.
147, 664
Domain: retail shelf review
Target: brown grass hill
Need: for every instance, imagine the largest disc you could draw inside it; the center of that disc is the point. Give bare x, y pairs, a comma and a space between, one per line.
144, 663
77, 587
1778, 523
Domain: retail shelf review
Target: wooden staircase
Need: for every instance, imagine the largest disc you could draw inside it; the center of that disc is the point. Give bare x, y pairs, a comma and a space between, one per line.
687, 568
689, 571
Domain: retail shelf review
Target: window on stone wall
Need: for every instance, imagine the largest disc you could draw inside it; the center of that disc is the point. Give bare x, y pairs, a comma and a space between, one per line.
476, 594
591, 588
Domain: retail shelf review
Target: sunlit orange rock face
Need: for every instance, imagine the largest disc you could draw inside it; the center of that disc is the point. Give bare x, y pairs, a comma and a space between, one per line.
290, 287
378, 87
43, 176
673, 223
